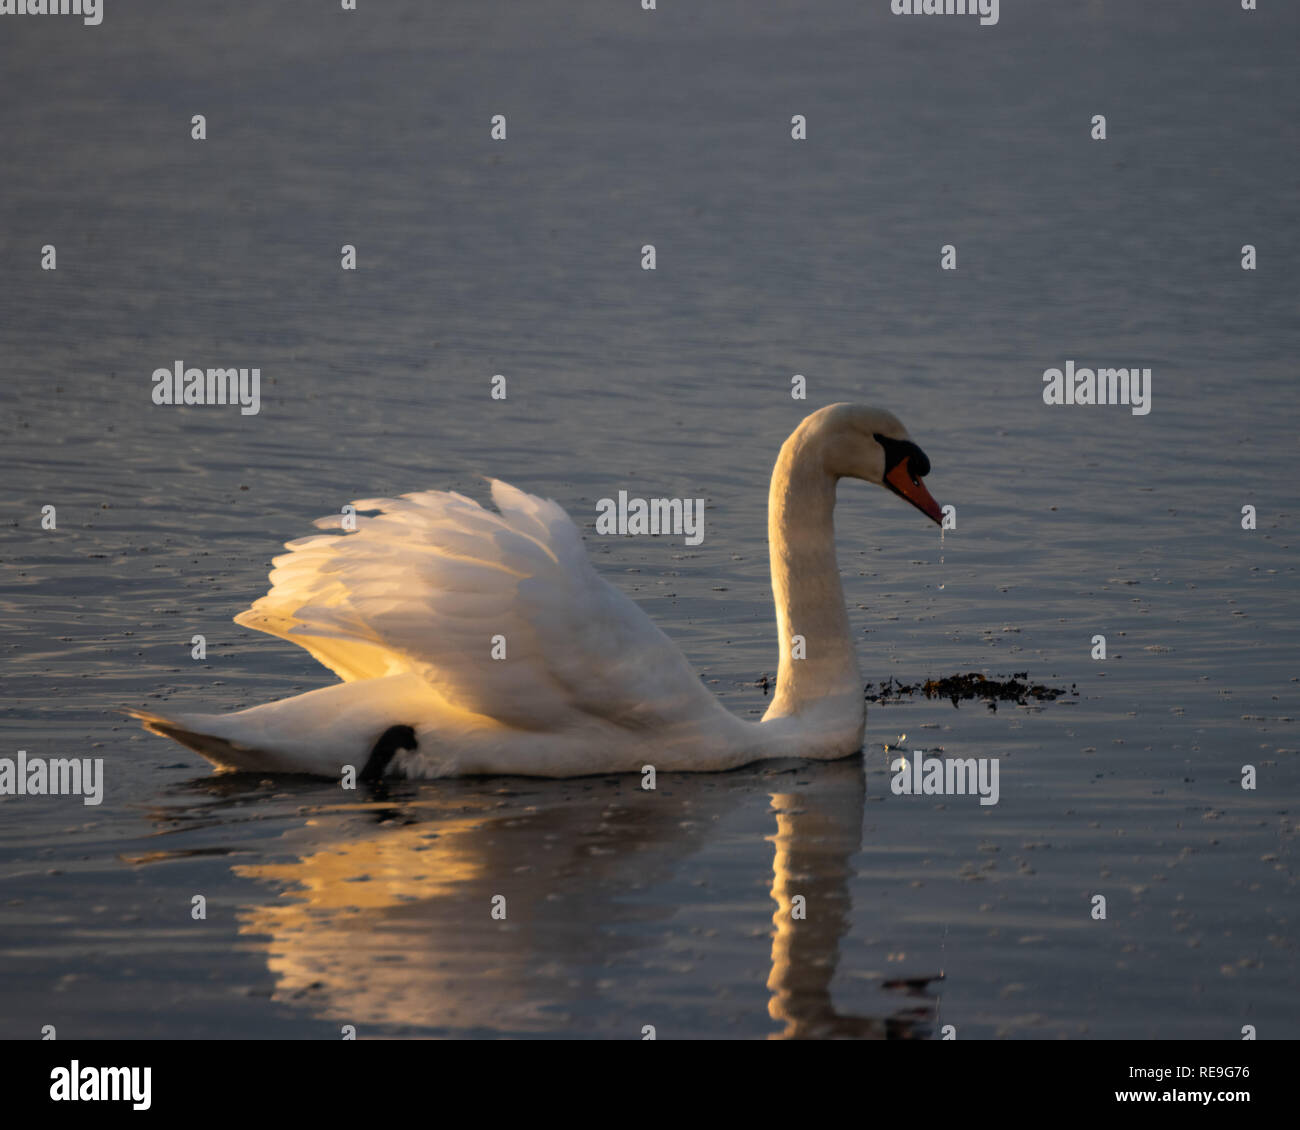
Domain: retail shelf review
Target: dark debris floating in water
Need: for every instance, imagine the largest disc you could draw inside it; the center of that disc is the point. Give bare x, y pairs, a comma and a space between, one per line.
959, 688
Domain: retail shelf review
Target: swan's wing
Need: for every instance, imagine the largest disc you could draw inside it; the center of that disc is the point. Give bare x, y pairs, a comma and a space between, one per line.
429, 585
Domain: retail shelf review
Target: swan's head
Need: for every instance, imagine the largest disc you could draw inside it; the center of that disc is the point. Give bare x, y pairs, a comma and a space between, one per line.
860, 442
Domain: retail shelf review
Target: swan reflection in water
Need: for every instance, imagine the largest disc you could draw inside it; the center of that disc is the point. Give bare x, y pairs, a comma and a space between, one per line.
394, 927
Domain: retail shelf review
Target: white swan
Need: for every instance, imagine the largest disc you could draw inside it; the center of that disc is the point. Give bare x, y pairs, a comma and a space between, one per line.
404, 611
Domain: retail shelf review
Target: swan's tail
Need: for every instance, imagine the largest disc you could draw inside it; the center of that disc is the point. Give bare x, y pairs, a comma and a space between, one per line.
362, 724
188, 730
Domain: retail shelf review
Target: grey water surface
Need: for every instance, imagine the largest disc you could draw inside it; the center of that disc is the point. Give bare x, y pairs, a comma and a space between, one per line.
669, 908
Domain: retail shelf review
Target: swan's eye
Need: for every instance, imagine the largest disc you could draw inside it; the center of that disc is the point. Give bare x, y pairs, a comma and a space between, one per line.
900, 450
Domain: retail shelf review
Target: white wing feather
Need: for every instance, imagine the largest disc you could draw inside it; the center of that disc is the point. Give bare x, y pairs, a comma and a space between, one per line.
425, 587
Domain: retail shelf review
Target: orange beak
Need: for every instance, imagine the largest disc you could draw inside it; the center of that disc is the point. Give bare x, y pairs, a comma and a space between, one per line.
901, 482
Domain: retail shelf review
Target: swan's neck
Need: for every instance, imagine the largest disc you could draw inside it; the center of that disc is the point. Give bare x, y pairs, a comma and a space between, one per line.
823, 687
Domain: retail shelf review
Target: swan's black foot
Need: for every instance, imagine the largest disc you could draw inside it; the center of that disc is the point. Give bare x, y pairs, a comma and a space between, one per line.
390, 741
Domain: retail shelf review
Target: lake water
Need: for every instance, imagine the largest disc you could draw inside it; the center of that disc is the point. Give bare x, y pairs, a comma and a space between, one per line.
774, 258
